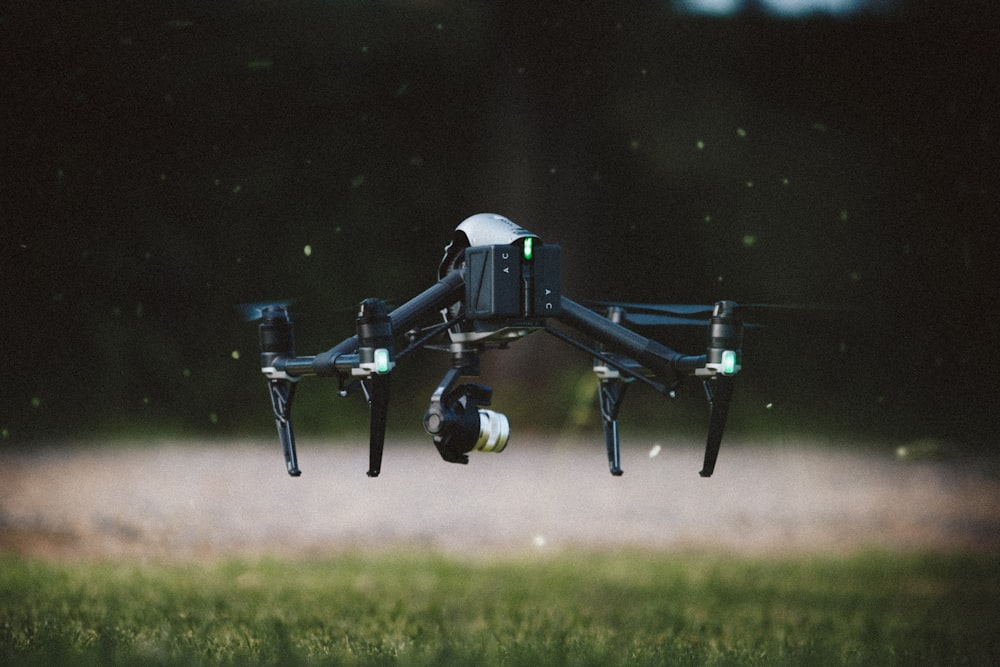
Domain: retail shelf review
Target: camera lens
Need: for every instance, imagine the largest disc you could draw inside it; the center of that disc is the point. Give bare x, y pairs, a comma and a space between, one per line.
494, 430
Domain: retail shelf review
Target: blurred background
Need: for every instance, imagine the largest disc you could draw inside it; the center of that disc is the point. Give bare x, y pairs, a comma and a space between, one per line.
165, 162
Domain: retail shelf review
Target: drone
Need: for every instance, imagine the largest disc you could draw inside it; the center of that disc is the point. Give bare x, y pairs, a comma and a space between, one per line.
498, 283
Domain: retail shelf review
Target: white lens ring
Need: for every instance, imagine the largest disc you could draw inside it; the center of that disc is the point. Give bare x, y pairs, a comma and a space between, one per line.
494, 431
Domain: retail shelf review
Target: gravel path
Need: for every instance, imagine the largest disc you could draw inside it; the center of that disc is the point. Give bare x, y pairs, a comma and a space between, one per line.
184, 501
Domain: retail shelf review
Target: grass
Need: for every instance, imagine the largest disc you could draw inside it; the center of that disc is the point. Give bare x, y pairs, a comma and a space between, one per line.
635, 608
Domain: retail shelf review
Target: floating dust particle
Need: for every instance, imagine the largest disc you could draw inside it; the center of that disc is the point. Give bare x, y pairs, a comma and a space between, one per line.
307, 250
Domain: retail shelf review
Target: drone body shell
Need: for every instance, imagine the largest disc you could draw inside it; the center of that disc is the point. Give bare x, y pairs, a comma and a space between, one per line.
480, 230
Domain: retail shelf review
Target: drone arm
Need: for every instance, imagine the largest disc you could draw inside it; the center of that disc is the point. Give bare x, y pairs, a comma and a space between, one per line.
367, 356
439, 295
653, 355
341, 358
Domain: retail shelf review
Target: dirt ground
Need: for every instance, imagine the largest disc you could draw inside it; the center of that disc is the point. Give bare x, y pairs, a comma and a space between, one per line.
169, 501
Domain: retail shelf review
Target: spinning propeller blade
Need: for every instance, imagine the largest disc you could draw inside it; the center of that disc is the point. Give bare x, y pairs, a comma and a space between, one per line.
742, 309
674, 315
673, 309
253, 312
657, 320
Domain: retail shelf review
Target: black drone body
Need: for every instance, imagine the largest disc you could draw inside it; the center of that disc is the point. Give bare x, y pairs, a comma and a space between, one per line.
496, 284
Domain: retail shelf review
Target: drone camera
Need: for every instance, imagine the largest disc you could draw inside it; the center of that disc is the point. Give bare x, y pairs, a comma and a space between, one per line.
458, 425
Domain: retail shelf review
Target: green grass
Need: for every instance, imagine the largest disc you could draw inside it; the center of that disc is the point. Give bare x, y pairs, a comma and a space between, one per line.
635, 608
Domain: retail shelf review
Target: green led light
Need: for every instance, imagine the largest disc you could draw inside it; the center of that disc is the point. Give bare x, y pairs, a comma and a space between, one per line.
381, 360
528, 250
728, 362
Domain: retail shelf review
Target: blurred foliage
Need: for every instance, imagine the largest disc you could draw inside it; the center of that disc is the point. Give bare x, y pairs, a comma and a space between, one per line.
168, 162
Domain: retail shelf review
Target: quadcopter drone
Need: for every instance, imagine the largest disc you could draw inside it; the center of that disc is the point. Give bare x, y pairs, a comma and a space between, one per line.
498, 283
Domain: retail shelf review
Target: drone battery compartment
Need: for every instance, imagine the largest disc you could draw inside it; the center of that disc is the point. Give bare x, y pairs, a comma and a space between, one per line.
500, 283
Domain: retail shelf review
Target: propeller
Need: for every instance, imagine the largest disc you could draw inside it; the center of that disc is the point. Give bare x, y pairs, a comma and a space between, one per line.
673, 315
657, 320
688, 310
254, 312
673, 309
